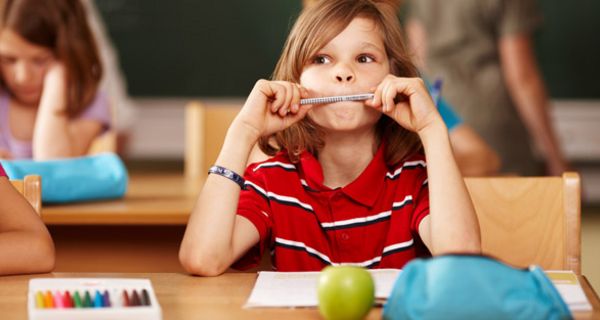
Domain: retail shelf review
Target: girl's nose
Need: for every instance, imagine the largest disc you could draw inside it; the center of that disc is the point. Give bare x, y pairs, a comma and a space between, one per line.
343, 73
347, 78
22, 73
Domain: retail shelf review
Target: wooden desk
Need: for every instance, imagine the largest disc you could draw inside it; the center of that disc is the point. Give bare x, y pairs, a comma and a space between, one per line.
140, 232
186, 297
151, 199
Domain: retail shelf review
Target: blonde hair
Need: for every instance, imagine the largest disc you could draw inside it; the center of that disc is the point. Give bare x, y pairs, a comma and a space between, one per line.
316, 26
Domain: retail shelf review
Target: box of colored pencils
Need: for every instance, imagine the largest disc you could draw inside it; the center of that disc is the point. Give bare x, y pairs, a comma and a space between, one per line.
91, 299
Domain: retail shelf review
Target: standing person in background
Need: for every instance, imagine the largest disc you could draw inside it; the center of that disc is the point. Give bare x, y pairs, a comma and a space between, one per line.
484, 53
50, 70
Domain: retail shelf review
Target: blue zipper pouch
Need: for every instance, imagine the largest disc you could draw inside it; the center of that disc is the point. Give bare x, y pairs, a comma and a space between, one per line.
472, 287
97, 177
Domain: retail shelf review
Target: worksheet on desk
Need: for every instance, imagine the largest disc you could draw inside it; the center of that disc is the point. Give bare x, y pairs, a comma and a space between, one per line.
299, 289
570, 290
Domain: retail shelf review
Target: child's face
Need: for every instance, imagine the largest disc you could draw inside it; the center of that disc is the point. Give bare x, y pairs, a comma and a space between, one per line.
24, 66
353, 62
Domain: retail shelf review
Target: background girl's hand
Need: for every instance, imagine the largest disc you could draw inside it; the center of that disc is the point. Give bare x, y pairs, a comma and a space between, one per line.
272, 106
56, 74
55, 88
407, 101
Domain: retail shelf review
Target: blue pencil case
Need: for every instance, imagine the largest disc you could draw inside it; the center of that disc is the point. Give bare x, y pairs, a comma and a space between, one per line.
472, 287
97, 177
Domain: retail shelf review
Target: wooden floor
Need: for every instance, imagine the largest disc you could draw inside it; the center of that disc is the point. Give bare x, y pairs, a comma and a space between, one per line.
590, 240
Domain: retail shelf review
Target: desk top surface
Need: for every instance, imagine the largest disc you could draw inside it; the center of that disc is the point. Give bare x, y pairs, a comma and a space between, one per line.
151, 199
185, 297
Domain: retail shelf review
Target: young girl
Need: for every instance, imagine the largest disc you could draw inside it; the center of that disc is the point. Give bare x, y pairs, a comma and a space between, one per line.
49, 106
25, 244
348, 183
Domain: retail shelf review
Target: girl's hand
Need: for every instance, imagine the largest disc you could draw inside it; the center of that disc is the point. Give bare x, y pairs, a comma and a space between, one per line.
56, 73
407, 101
55, 87
272, 106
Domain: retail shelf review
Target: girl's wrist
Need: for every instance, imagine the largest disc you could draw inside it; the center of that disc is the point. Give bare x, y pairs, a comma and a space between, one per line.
433, 132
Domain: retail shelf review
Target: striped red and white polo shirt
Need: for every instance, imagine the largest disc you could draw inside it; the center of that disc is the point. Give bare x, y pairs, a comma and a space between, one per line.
371, 222
2, 173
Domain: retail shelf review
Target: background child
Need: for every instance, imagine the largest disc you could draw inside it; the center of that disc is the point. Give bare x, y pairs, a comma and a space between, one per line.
25, 244
49, 105
348, 182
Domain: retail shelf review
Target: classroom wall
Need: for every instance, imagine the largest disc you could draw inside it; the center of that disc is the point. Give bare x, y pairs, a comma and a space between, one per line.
219, 48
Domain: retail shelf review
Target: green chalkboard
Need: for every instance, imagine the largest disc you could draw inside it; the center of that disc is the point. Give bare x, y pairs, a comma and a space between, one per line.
568, 48
197, 47
220, 48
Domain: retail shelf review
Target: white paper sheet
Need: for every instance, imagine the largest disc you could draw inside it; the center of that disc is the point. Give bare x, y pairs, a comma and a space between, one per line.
570, 290
299, 289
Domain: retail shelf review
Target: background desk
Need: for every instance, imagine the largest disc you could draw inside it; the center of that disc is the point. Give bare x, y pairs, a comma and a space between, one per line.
139, 233
186, 297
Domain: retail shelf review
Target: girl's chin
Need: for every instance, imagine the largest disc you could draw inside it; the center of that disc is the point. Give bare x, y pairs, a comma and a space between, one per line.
30, 99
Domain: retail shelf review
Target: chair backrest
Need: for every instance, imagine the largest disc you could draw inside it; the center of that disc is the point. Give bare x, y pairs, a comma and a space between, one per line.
31, 189
530, 220
106, 142
206, 126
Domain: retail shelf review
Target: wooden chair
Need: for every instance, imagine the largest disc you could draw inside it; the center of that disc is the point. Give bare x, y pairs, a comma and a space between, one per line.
107, 142
31, 189
530, 220
205, 129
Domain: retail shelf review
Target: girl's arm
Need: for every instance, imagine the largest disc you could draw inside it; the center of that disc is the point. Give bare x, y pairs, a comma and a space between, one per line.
526, 86
215, 236
452, 225
25, 244
55, 135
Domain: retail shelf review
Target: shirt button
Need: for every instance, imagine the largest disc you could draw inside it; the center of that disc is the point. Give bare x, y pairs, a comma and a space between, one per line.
345, 236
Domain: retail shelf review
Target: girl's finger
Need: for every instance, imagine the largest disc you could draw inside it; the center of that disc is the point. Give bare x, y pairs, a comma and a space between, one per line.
295, 103
286, 98
388, 97
376, 101
278, 97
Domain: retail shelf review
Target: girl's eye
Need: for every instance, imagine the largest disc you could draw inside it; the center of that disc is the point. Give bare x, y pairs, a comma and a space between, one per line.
365, 58
7, 60
321, 60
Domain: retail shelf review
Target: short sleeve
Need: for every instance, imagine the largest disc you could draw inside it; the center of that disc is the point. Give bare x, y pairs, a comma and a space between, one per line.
450, 117
518, 16
2, 173
421, 200
99, 110
254, 206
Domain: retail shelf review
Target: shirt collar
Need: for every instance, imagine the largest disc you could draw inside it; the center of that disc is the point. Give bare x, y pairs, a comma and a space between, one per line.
363, 189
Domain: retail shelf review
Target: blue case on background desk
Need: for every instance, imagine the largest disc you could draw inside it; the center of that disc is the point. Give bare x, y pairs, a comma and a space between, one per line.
97, 177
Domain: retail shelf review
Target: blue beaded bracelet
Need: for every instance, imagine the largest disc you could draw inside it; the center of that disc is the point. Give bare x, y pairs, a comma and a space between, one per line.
229, 175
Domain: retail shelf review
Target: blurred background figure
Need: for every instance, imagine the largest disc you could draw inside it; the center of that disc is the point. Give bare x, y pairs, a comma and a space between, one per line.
484, 52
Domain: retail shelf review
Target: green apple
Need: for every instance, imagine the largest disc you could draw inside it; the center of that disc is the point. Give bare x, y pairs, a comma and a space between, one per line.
345, 292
